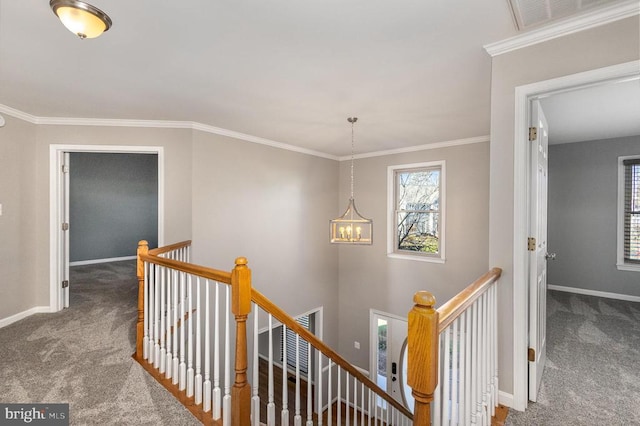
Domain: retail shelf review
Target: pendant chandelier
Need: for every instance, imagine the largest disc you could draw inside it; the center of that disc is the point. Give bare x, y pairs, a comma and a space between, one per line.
351, 227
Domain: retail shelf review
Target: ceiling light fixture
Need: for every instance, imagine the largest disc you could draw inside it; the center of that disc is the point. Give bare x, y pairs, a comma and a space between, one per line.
82, 19
351, 227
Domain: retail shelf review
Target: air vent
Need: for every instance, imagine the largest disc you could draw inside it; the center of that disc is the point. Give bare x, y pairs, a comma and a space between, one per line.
532, 13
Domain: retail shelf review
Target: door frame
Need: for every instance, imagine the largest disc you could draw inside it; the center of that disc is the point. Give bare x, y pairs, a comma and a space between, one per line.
56, 198
523, 97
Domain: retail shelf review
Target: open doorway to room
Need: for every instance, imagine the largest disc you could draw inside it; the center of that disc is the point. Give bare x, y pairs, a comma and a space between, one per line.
529, 309
103, 200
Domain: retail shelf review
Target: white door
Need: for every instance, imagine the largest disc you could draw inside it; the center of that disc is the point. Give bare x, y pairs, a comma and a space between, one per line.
389, 334
538, 249
64, 229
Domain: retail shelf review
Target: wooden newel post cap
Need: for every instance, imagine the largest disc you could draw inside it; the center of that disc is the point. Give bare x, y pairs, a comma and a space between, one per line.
241, 261
143, 243
425, 299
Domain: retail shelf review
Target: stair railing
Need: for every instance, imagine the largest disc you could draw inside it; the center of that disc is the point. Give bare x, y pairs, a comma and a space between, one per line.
453, 355
184, 339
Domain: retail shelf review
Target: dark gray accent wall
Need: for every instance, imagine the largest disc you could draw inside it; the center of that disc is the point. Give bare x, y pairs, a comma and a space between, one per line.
113, 204
582, 215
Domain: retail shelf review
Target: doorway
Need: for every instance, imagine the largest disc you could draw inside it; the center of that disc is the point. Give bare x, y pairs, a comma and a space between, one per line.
388, 363
59, 210
524, 313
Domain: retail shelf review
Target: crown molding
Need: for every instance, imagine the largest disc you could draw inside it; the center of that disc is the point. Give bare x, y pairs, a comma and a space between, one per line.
565, 27
435, 145
157, 124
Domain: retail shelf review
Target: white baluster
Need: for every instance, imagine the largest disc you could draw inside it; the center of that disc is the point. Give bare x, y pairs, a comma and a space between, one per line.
175, 360
206, 385
198, 377
485, 359
226, 400
297, 419
319, 388
474, 363
309, 393
348, 402
339, 405
190, 372
145, 311
255, 399
284, 416
169, 315
163, 320
462, 403
355, 401
468, 366
329, 394
362, 405
438, 398
446, 377
494, 289
156, 317
217, 392
455, 360
182, 367
271, 406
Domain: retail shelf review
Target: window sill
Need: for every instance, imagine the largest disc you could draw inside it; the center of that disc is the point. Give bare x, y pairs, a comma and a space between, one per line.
628, 267
417, 258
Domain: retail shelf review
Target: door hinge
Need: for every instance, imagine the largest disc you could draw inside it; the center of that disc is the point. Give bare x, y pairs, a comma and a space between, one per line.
65, 283
533, 133
65, 168
65, 226
531, 355
531, 244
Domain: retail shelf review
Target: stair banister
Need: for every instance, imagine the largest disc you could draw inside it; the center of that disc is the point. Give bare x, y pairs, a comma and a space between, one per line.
241, 307
422, 356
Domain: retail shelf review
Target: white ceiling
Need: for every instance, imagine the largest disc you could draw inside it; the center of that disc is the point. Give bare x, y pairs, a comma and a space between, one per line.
414, 72
604, 111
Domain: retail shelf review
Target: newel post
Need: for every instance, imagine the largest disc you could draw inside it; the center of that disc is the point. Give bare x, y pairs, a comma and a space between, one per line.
241, 307
422, 358
143, 248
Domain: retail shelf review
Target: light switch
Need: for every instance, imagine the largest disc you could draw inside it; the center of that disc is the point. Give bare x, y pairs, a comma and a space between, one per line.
356, 345
0, 209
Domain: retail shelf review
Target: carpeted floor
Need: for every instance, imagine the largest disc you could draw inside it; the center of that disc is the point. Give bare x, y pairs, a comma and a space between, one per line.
82, 356
592, 375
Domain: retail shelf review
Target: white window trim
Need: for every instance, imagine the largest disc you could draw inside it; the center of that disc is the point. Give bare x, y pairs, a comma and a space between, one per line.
620, 263
391, 207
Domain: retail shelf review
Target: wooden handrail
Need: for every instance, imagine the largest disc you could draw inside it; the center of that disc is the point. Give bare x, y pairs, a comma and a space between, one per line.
190, 268
292, 324
171, 247
455, 306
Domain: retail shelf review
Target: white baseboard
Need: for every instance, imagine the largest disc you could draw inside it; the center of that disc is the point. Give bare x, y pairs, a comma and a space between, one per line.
604, 294
20, 315
505, 399
94, 261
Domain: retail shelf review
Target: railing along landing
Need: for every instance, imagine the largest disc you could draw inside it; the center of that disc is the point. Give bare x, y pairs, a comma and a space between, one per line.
453, 355
192, 336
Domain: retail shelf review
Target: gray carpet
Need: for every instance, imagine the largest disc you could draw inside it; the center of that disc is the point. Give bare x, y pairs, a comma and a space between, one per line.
82, 356
592, 375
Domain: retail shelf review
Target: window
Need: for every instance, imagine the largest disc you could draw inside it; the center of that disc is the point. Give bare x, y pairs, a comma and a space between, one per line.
416, 211
629, 213
303, 347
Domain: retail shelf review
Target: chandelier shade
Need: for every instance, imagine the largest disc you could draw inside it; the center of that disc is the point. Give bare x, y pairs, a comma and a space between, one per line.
82, 19
351, 227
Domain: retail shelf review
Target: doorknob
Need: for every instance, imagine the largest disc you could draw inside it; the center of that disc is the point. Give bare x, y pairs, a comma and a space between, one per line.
550, 256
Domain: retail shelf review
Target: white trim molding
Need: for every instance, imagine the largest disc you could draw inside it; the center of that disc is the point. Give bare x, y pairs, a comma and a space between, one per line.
55, 195
21, 315
592, 19
96, 261
505, 399
523, 96
604, 294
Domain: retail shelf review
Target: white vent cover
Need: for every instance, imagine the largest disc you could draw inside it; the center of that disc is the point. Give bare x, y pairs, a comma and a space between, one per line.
529, 13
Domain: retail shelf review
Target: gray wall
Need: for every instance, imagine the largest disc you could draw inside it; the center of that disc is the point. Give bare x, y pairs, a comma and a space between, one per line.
113, 204
24, 192
369, 279
18, 237
599, 47
583, 196
273, 207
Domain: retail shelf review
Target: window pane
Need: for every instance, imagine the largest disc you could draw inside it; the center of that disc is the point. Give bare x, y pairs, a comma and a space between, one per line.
419, 190
418, 232
634, 238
